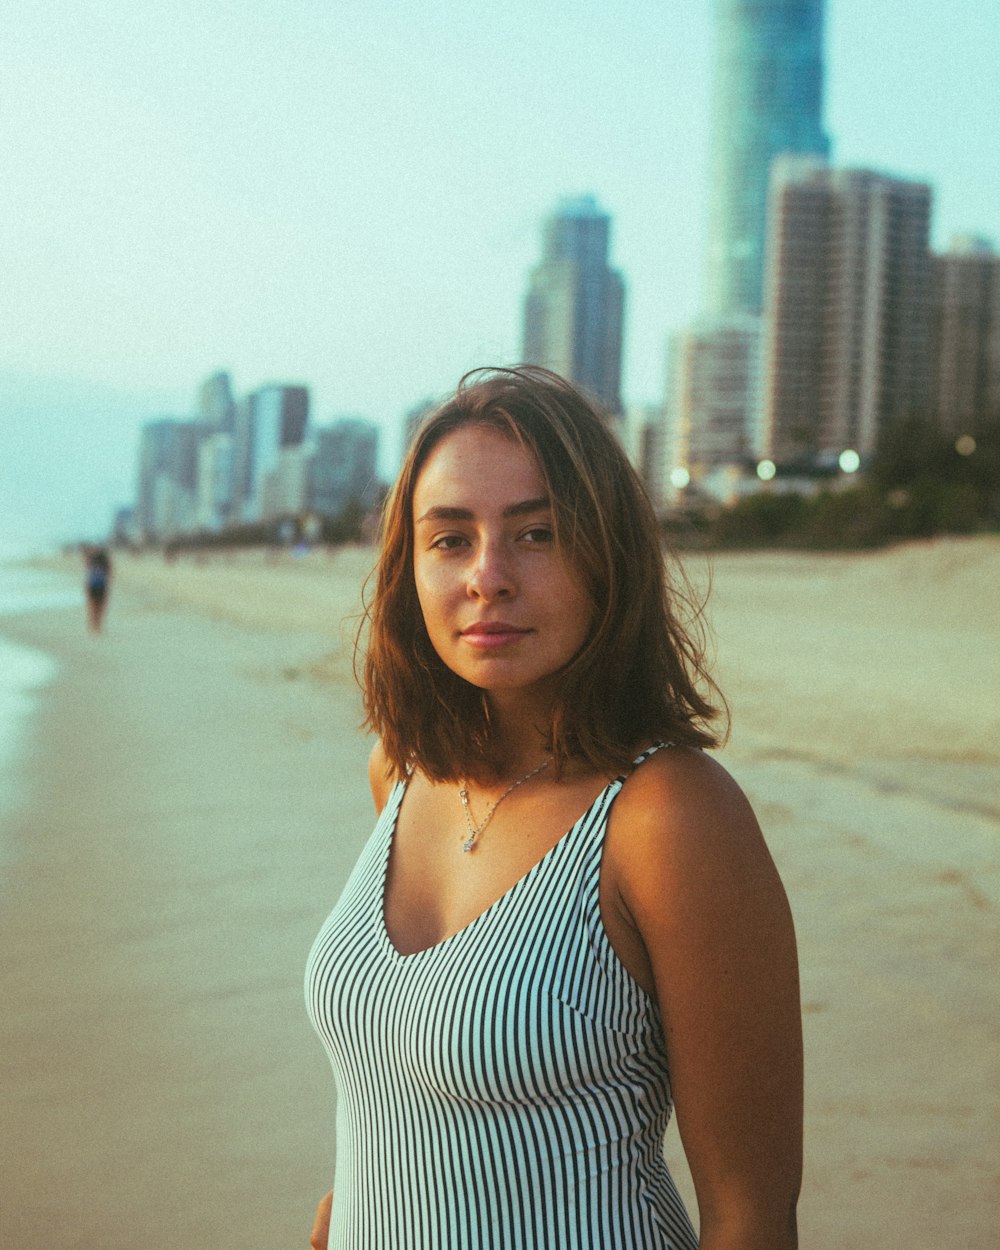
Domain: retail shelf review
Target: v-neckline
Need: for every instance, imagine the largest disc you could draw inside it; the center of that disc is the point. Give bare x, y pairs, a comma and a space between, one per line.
387, 943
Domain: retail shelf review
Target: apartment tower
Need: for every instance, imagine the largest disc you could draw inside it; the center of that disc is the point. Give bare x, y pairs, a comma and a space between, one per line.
574, 304
847, 307
712, 370
965, 357
270, 429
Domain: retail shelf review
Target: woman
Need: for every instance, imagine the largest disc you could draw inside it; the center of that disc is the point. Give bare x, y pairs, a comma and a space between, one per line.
566, 921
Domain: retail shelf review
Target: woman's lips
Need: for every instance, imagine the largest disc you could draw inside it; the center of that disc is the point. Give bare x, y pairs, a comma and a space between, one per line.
488, 634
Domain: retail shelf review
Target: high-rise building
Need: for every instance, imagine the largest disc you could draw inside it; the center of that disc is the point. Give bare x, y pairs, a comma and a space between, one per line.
574, 306
284, 486
643, 435
342, 469
269, 420
214, 495
168, 478
767, 99
965, 338
216, 409
154, 458
792, 382
243, 428
712, 372
845, 344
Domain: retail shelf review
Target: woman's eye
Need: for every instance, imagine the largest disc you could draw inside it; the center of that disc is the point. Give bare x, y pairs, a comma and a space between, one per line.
448, 542
538, 534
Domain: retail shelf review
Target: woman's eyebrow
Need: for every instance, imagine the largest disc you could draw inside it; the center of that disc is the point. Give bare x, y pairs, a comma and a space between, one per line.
541, 504
444, 512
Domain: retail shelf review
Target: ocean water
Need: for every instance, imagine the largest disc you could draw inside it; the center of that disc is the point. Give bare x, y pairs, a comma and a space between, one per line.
24, 670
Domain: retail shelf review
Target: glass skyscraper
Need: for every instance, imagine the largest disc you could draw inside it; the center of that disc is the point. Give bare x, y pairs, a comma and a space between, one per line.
573, 308
768, 99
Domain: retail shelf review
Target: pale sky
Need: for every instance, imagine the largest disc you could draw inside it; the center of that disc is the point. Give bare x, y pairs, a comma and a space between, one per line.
350, 194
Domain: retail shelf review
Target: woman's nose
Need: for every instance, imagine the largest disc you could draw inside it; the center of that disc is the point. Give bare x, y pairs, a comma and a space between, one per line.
491, 574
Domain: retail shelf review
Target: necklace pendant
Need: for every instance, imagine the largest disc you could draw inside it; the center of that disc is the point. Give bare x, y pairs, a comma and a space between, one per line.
476, 829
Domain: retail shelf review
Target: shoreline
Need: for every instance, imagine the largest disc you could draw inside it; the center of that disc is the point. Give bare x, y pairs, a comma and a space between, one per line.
24, 670
196, 795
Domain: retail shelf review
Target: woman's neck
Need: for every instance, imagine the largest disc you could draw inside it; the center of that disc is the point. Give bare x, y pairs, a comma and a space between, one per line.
519, 737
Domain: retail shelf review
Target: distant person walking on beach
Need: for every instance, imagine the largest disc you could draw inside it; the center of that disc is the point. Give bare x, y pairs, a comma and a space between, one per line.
566, 921
97, 584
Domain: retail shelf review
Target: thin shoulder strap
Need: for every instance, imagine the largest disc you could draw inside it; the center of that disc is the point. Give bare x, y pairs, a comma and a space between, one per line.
641, 759
395, 798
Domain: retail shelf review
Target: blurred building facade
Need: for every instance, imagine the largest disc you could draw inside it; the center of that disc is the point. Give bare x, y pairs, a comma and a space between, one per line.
270, 425
643, 434
965, 338
166, 491
846, 326
216, 412
153, 459
214, 493
574, 307
767, 99
284, 487
215, 405
342, 469
712, 370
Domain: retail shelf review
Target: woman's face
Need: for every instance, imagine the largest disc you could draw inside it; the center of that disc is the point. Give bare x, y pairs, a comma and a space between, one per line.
503, 608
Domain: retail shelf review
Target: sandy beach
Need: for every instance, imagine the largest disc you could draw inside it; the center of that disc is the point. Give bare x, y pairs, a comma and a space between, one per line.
191, 794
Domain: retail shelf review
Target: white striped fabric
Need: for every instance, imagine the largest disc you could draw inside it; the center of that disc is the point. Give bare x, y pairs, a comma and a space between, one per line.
505, 1088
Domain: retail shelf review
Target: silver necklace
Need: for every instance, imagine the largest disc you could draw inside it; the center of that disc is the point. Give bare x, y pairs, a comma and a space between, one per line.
476, 829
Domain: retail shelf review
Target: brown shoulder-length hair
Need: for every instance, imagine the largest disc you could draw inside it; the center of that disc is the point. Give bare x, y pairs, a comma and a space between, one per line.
639, 678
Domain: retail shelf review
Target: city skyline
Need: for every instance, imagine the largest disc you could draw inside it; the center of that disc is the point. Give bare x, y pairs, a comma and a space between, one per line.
299, 199
247, 461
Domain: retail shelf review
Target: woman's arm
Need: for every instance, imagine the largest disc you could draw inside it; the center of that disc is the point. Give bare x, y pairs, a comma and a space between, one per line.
715, 943
378, 776
320, 1234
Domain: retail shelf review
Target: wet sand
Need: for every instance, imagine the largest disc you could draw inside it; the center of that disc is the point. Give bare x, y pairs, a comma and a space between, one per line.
193, 795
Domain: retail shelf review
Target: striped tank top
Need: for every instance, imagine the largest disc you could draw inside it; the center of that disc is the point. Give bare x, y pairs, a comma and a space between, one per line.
505, 1088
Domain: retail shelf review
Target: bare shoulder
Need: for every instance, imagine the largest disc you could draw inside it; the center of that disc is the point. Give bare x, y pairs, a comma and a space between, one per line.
683, 792
380, 776
683, 825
